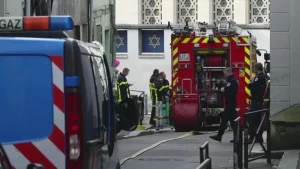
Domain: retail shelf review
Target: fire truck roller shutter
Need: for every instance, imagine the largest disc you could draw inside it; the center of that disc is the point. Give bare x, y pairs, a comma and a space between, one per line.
185, 114
215, 61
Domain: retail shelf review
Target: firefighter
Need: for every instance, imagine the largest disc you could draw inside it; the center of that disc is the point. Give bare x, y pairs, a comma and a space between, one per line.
156, 96
123, 86
153, 95
166, 85
160, 88
257, 86
166, 94
230, 94
154, 75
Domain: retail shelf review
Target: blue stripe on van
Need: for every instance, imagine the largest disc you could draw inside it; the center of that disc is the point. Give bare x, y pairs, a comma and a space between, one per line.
32, 46
72, 81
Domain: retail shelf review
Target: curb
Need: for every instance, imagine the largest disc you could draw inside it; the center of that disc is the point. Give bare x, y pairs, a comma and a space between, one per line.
140, 133
274, 155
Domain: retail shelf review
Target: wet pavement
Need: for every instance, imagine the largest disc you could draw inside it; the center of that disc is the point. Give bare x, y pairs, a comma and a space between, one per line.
181, 153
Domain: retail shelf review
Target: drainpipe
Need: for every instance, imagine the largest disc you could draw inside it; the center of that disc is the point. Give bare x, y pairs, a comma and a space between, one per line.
28, 7
114, 32
91, 21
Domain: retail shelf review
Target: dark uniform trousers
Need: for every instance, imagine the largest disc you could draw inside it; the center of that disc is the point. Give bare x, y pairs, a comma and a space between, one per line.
257, 87
229, 114
153, 111
156, 89
154, 97
254, 119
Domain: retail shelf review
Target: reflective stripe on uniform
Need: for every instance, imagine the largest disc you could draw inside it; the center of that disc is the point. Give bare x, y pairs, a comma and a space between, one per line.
49, 152
119, 90
153, 90
155, 94
151, 86
161, 117
128, 95
164, 87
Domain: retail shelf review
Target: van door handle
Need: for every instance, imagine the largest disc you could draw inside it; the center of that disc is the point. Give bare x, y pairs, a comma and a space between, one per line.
104, 149
94, 143
103, 128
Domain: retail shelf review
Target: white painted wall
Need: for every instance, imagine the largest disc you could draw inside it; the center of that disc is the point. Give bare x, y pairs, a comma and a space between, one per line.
263, 39
241, 11
11, 8
128, 11
142, 67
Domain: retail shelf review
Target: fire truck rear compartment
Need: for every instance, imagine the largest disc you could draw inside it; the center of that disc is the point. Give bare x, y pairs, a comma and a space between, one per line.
209, 79
198, 60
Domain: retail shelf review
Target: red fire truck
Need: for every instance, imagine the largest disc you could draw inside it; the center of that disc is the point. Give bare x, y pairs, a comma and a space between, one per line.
198, 58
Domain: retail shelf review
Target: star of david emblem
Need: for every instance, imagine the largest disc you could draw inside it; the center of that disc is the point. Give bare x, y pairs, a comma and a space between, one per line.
154, 41
120, 40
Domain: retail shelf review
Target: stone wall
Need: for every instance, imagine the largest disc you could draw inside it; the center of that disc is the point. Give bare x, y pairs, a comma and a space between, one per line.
285, 54
78, 9
285, 76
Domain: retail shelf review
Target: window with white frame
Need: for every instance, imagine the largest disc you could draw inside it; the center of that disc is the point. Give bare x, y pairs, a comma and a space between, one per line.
151, 12
223, 10
152, 41
187, 11
259, 11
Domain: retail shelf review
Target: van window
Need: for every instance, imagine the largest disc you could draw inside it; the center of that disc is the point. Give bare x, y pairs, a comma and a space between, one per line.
92, 109
108, 117
102, 87
100, 75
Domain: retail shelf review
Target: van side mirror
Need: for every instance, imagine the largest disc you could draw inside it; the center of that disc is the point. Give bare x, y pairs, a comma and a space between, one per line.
128, 115
35, 166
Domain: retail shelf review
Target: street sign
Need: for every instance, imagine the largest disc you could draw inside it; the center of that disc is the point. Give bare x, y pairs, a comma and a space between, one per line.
11, 23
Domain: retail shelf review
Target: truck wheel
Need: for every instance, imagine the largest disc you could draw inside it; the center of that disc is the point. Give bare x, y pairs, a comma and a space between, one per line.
176, 128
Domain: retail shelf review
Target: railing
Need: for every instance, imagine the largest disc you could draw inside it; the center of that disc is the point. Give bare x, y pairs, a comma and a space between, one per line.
205, 160
267, 150
238, 139
237, 144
